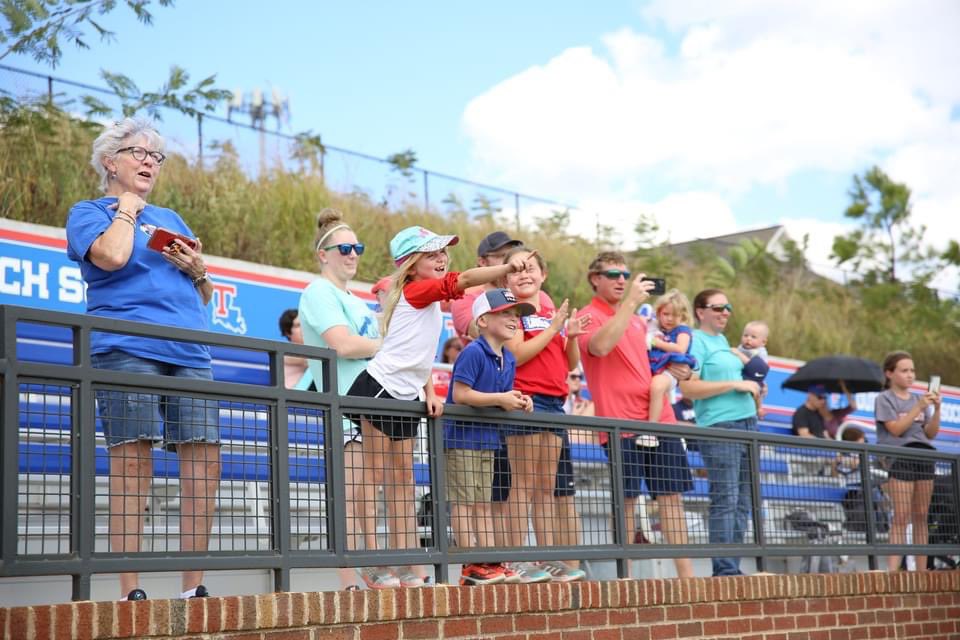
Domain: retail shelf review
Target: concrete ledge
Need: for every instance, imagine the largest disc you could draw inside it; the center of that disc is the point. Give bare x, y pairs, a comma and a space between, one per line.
767, 607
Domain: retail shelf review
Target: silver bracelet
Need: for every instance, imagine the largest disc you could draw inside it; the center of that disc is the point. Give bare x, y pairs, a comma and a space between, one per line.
199, 280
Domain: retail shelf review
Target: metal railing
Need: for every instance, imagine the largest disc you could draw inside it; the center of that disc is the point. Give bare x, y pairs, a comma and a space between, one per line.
292, 460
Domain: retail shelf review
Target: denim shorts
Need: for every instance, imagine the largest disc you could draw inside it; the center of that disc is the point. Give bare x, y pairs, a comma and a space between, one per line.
129, 417
664, 468
541, 404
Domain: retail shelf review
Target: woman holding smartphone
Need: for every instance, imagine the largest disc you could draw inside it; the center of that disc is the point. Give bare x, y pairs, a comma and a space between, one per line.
911, 420
142, 262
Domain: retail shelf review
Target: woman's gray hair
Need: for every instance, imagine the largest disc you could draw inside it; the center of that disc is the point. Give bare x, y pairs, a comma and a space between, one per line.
114, 138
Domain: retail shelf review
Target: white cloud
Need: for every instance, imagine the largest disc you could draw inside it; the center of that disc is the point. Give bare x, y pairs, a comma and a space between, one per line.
742, 93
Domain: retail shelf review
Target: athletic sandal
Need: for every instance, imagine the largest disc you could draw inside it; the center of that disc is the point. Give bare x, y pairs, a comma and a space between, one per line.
562, 572
408, 578
378, 577
529, 572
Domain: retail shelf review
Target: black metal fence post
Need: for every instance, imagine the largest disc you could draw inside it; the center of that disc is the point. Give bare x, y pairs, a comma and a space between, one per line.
756, 501
866, 481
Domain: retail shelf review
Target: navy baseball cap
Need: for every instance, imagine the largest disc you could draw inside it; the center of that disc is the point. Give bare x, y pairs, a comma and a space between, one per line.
496, 240
819, 390
498, 300
756, 369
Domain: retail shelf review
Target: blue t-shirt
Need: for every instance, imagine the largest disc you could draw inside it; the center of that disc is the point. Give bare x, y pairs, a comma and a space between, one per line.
146, 289
324, 306
716, 363
481, 369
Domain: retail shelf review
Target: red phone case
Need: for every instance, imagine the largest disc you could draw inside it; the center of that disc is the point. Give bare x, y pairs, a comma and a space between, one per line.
164, 238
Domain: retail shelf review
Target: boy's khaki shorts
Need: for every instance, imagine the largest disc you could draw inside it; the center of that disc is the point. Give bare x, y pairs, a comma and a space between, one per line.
469, 475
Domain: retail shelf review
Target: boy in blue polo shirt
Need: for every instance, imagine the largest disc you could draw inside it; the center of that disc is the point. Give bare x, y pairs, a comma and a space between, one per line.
482, 377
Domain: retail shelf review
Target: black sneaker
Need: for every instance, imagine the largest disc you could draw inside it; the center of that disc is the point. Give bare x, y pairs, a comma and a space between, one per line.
201, 592
137, 594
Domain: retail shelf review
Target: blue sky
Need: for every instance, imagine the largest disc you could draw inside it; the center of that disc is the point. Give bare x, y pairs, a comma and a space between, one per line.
712, 117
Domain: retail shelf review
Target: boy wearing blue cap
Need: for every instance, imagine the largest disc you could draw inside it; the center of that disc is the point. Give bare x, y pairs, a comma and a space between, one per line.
482, 377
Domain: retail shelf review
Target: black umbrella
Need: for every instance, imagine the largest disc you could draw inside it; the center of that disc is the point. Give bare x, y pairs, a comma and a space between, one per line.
857, 373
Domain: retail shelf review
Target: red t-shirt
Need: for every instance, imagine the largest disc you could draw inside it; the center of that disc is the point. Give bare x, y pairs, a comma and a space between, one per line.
546, 372
620, 381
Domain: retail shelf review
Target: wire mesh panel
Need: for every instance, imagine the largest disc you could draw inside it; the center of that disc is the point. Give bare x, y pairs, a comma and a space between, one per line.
729, 493
803, 490
243, 516
664, 501
44, 459
390, 473
174, 480
308, 478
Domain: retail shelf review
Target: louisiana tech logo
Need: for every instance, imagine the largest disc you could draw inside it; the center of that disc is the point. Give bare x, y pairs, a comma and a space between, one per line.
226, 311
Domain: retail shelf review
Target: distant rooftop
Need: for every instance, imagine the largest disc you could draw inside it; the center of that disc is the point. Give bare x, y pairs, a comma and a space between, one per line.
770, 237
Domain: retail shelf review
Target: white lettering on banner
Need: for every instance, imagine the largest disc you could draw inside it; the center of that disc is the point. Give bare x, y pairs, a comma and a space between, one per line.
72, 287
30, 278
11, 288
37, 279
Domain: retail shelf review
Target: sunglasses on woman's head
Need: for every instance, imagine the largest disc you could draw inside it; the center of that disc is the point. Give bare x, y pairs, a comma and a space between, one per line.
719, 307
345, 248
614, 274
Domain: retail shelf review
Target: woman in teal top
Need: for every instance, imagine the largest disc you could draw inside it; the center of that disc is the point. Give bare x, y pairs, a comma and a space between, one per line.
332, 317
722, 399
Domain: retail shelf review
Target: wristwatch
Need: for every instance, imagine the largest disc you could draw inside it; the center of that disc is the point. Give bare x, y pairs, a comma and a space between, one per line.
201, 279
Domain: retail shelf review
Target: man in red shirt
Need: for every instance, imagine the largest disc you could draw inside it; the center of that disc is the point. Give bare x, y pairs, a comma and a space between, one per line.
617, 367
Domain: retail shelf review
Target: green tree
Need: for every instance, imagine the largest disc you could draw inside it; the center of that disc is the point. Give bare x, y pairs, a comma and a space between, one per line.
887, 247
37, 27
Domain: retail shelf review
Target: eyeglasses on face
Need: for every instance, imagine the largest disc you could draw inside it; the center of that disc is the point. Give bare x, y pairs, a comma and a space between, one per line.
719, 307
574, 376
614, 274
345, 248
140, 154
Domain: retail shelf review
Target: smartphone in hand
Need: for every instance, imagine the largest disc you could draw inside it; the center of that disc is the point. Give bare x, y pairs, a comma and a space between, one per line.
165, 238
659, 286
934, 386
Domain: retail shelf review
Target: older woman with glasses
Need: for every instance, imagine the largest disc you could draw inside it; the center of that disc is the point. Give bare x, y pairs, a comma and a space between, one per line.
722, 399
132, 277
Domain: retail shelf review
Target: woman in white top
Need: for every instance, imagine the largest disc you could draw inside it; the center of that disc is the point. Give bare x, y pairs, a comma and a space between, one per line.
332, 317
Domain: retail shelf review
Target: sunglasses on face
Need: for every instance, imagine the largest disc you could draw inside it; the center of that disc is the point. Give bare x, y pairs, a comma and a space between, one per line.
140, 154
574, 376
719, 307
614, 274
345, 248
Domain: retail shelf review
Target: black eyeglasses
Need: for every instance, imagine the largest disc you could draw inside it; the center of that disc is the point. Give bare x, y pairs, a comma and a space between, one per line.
614, 274
345, 248
140, 154
719, 307
574, 376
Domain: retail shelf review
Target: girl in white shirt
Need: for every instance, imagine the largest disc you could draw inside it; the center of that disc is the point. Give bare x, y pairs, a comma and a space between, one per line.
401, 369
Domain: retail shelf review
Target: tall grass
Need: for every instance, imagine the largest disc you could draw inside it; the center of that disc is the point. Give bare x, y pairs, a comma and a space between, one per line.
44, 169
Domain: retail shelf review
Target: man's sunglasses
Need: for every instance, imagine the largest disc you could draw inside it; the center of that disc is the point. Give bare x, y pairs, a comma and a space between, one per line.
614, 274
345, 248
719, 307
574, 376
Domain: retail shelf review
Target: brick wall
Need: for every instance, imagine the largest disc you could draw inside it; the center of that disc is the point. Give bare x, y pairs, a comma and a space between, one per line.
772, 607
